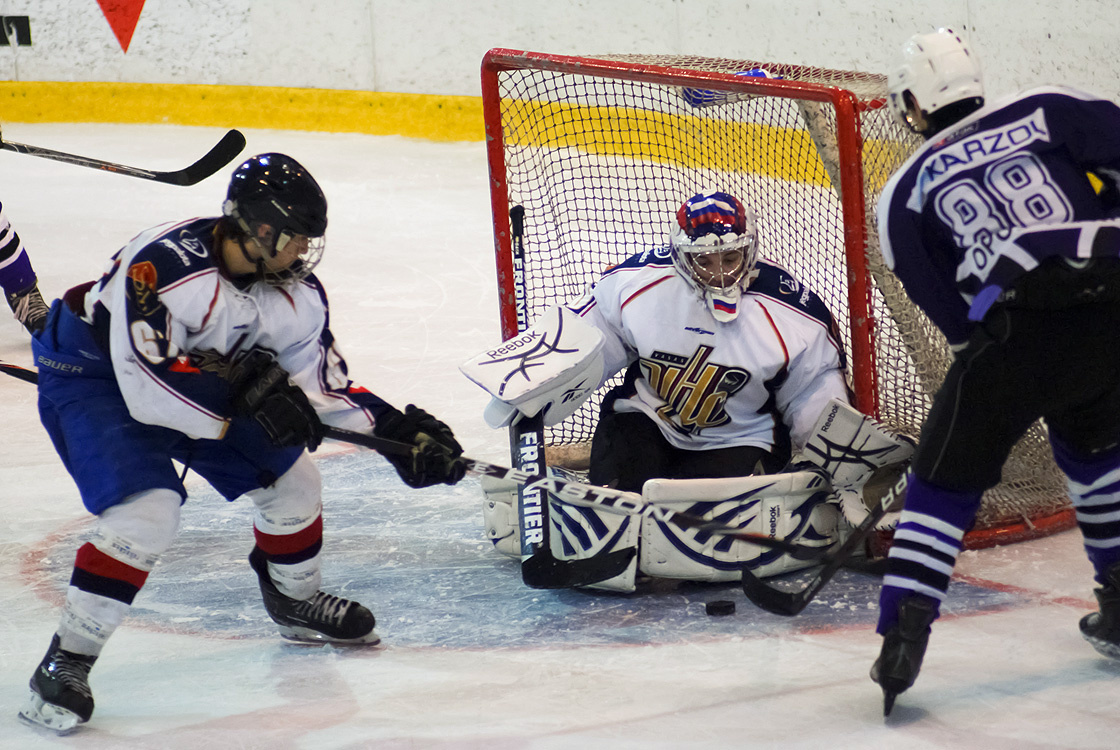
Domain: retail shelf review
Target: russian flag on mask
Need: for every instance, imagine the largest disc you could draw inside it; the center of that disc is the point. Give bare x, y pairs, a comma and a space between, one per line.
727, 307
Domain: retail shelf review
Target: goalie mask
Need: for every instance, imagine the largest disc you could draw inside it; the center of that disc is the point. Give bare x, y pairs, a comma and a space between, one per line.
714, 247
937, 71
275, 203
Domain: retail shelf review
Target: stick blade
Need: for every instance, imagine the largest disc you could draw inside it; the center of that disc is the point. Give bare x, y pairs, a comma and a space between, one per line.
773, 600
543, 571
224, 151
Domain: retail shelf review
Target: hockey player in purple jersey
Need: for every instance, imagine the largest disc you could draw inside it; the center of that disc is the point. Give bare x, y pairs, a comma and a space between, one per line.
997, 233
18, 279
208, 342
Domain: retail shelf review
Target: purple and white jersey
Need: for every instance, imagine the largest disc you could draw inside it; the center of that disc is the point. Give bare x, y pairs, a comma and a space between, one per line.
175, 322
708, 384
988, 199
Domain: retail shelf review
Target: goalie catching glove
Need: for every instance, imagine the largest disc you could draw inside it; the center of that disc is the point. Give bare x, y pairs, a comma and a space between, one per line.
261, 390
435, 455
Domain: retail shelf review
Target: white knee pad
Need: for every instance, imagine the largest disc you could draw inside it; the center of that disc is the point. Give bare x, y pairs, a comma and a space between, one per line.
292, 502
140, 529
134, 532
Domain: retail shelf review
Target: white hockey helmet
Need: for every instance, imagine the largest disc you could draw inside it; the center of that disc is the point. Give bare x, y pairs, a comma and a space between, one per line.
936, 70
709, 224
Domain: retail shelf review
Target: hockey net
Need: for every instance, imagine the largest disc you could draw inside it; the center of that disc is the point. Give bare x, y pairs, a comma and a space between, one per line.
601, 151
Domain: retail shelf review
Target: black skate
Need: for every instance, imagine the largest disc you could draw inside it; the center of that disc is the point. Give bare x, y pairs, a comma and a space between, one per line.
30, 308
904, 645
1102, 629
321, 619
60, 695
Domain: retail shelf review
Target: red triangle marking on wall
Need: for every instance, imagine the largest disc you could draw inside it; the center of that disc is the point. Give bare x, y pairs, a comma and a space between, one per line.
122, 16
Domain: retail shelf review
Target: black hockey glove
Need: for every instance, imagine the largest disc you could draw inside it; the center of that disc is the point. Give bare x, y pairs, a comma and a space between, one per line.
261, 390
434, 458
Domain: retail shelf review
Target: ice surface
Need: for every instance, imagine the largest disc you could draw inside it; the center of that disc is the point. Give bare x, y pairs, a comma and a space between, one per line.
470, 657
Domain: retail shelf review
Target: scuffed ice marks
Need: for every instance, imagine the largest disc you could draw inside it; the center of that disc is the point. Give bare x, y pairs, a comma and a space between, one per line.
419, 561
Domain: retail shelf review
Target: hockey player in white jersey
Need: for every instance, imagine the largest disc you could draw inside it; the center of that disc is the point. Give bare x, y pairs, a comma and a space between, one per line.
729, 361
207, 342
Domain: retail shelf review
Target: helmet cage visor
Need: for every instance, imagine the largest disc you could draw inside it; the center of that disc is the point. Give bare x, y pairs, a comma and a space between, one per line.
702, 261
285, 256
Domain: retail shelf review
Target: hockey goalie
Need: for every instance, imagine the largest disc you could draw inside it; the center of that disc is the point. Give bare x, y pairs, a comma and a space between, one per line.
734, 383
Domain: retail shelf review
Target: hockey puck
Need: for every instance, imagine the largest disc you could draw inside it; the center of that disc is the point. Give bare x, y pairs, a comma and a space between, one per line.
720, 607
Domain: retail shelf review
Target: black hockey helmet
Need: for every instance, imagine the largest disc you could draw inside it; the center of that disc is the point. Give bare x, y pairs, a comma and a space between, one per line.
271, 199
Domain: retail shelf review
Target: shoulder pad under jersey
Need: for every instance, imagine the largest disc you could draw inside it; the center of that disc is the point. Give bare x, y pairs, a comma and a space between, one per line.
658, 256
777, 283
181, 251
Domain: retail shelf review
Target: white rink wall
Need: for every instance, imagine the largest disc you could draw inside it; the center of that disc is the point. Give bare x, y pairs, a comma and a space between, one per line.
435, 46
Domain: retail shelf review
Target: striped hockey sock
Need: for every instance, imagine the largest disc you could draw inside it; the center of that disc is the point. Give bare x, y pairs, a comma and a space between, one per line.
925, 547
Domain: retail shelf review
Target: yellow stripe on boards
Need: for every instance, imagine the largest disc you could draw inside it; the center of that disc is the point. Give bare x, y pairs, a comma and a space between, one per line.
436, 118
681, 140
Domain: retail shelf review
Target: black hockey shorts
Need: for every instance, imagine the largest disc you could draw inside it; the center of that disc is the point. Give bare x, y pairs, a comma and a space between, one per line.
628, 448
1022, 364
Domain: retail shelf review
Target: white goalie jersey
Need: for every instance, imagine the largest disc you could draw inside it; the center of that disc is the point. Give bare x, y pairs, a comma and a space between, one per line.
710, 384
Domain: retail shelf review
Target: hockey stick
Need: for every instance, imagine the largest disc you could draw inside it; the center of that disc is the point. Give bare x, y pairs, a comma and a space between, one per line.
587, 495
569, 573
223, 153
789, 603
29, 376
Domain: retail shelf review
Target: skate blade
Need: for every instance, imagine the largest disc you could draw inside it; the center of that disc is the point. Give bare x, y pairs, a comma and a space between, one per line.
308, 636
59, 720
1103, 647
888, 701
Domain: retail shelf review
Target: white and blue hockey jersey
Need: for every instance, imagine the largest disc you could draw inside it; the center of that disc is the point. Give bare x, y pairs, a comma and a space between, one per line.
988, 199
753, 380
175, 323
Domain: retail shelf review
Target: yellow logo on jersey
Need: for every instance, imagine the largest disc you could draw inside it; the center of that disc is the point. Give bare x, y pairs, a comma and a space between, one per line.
694, 389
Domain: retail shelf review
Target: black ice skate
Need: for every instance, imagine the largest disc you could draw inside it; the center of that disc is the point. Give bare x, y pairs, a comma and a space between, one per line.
1102, 629
322, 618
904, 645
29, 308
60, 695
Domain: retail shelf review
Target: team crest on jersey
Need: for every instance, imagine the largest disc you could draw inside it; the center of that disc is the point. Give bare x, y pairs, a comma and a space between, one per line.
789, 285
143, 280
694, 389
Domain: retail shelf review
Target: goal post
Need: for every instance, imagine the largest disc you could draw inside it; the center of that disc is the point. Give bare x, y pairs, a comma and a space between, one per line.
598, 153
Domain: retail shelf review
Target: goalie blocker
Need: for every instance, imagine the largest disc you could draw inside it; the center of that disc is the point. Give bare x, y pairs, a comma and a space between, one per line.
795, 506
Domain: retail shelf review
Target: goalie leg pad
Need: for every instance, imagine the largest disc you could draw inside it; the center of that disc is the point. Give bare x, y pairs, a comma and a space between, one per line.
787, 506
499, 515
577, 533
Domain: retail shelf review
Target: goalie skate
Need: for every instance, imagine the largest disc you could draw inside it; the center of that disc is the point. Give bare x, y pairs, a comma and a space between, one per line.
60, 697
321, 619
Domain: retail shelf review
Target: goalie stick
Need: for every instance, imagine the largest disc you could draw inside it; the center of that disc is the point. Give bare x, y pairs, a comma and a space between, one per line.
540, 569
221, 154
588, 495
789, 603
